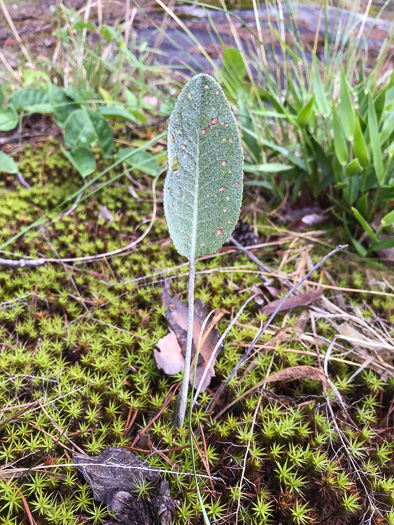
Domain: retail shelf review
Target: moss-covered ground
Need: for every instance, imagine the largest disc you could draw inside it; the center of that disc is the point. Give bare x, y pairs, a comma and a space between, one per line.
77, 369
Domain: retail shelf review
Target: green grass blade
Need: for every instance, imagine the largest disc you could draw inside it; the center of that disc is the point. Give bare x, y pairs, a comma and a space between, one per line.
375, 141
347, 113
367, 228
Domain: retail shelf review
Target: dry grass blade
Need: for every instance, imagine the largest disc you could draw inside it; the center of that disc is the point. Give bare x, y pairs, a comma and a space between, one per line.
287, 374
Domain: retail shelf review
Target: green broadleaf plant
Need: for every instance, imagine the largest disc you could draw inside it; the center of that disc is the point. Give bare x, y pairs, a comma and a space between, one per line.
7, 164
204, 183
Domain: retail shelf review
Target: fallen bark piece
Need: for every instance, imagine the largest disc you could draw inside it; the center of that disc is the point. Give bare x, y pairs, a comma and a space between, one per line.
114, 477
171, 348
293, 302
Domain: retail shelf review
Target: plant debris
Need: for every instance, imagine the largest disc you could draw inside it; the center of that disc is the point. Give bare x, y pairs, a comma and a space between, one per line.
296, 301
116, 475
172, 347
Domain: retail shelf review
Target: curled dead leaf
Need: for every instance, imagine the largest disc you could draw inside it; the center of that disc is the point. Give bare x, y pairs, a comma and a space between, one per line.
295, 301
171, 348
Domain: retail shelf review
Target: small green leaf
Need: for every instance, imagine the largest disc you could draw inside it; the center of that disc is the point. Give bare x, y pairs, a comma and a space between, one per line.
8, 118
203, 187
234, 70
1, 95
82, 159
384, 244
375, 142
30, 100
141, 160
7, 164
362, 205
353, 168
305, 113
62, 104
318, 89
109, 33
273, 167
388, 219
367, 228
106, 95
131, 99
261, 183
360, 148
346, 109
340, 145
80, 25
84, 127
119, 113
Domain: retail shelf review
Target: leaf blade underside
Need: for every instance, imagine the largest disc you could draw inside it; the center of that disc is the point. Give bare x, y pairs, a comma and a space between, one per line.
203, 187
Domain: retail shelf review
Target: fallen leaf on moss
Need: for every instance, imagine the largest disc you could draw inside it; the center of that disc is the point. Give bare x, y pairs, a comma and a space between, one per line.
293, 302
171, 348
297, 372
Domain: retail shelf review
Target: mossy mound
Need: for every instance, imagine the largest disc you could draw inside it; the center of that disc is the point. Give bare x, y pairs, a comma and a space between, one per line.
77, 366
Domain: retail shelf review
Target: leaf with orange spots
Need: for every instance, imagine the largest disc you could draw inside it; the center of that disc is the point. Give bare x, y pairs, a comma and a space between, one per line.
204, 183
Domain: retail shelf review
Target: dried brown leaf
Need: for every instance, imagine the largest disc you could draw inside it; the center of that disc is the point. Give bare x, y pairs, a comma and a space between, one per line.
298, 372
293, 302
170, 357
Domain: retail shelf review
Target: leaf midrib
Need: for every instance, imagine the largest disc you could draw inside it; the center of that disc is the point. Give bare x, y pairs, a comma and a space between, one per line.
196, 185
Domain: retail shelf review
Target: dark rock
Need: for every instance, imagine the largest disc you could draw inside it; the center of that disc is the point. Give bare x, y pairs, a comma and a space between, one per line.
114, 477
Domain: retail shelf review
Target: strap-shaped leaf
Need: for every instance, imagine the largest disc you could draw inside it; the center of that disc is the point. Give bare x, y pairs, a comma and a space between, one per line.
203, 187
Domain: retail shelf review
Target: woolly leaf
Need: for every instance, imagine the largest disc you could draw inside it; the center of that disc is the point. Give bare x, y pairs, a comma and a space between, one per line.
203, 187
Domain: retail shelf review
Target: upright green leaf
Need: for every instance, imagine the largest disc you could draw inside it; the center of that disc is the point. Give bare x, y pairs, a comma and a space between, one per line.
353, 168
62, 104
360, 148
7, 164
30, 100
367, 228
203, 187
84, 127
8, 118
375, 142
249, 134
305, 113
380, 103
388, 219
318, 89
341, 149
347, 113
234, 70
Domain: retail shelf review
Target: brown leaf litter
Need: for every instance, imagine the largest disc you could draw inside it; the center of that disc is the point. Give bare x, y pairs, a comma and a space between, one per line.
295, 301
171, 348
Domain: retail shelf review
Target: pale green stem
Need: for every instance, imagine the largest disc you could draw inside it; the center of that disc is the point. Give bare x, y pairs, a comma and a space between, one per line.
189, 341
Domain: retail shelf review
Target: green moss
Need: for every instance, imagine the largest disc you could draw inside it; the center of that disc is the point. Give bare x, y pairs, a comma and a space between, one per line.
88, 355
